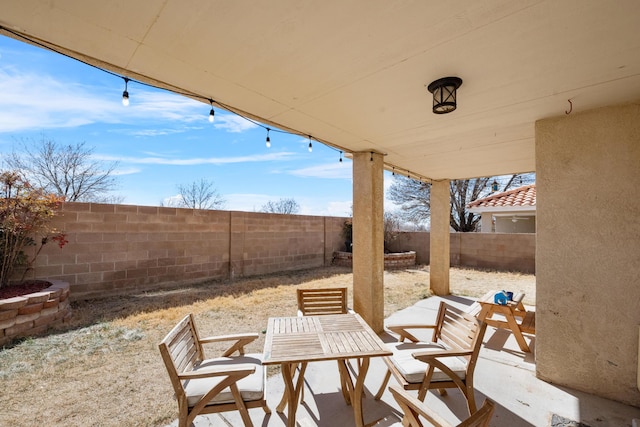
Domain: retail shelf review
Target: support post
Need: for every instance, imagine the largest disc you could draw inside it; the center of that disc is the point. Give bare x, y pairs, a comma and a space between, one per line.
439, 241
368, 238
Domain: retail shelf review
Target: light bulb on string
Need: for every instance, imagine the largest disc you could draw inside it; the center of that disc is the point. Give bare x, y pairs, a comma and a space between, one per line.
212, 113
268, 142
125, 94
340, 156
310, 145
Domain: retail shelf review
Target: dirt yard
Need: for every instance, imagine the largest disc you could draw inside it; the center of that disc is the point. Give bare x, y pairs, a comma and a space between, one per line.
104, 369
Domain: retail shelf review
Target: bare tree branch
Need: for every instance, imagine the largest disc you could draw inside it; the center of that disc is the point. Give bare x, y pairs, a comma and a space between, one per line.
282, 206
200, 195
64, 170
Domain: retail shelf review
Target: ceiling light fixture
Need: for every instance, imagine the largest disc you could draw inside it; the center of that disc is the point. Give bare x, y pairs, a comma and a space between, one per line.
444, 94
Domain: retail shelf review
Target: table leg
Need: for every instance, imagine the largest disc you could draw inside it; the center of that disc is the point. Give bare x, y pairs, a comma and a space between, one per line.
356, 396
515, 328
291, 393
346, 384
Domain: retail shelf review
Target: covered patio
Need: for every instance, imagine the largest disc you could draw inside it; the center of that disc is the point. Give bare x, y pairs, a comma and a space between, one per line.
551, 87
504, 374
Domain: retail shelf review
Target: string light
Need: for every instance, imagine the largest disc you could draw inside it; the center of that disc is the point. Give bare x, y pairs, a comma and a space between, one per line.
393, 171
212, 113
125, 94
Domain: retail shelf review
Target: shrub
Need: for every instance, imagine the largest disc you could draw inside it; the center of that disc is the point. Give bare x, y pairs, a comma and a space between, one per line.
25, 220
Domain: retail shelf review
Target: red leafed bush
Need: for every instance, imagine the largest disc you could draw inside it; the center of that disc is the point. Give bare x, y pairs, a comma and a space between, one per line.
25, 220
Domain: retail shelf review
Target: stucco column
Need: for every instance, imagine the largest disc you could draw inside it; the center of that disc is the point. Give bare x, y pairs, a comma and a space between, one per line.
486, 222
439, 240
368, 238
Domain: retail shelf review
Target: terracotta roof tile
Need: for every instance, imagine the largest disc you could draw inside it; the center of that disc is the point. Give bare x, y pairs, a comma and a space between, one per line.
521, 196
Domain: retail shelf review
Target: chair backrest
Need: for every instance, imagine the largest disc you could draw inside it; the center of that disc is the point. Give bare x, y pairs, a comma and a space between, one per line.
313, 302
413, 409
458, 329
181, 350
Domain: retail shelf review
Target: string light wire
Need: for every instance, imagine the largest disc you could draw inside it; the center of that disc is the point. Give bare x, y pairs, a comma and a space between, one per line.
125, 95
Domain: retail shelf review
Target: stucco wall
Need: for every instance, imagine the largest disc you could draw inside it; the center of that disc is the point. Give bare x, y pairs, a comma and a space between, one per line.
499, 251
120, 248
588, 251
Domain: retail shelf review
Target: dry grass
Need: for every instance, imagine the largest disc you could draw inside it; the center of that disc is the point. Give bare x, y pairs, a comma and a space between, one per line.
104, 369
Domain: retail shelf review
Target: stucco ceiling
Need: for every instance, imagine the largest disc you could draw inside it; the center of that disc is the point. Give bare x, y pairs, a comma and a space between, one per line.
353, 73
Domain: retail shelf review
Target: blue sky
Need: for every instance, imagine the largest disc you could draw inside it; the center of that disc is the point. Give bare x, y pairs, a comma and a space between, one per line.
162, 139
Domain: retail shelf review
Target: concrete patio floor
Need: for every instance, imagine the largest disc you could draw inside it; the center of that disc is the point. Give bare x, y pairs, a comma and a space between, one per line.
504, 374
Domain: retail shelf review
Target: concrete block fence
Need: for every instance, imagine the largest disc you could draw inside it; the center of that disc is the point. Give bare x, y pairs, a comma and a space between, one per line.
497, 251
116, 249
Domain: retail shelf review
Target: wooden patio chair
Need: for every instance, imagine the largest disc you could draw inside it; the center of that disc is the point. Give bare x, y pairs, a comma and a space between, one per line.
414, 410
314, 302
447, 361
205, 386
321, 302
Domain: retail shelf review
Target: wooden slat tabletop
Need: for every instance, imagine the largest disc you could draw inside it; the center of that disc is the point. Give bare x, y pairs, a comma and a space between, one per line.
315, 338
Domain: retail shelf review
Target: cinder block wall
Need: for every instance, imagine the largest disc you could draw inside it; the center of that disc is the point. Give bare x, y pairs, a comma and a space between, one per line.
499, 251
121, 248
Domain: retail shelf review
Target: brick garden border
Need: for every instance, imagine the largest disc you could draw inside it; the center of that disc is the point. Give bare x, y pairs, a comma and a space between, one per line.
391, 260
33, 314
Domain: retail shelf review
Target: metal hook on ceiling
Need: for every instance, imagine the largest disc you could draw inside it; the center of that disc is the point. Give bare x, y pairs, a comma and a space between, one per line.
570, 107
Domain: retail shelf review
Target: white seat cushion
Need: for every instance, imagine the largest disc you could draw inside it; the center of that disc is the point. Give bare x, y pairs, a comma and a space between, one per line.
414, 370
251, 387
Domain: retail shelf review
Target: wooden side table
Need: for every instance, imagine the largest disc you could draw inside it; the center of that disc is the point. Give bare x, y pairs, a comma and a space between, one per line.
512, 312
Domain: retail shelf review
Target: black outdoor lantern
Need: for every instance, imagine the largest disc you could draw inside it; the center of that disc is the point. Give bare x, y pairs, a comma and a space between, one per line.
444, 94
494, 185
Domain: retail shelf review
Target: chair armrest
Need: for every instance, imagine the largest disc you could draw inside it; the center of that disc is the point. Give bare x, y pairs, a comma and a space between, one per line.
240, 341
241, 370
425, 356
402, 331
233, 337
413, 408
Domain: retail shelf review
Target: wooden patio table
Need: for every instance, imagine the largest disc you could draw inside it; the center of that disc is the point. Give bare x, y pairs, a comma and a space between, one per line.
511, 311
294, 341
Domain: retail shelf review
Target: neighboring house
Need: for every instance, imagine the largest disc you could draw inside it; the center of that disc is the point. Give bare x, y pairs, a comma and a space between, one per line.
512, 211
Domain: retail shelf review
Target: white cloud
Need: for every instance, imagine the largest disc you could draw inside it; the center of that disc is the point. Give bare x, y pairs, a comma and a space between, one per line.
158, 160
173, 201
232, 123
40, 101
320, 207
246, 202
337, 170
126, 171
